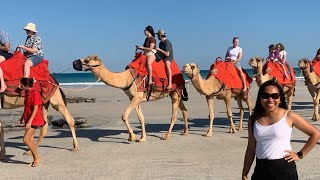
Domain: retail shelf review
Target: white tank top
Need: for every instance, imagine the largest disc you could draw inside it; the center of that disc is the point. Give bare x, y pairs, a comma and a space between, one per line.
272, 140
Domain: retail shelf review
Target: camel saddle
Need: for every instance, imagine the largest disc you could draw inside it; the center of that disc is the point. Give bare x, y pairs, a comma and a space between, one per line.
159, 75
226, 73
13, 72
315, 67
274, 69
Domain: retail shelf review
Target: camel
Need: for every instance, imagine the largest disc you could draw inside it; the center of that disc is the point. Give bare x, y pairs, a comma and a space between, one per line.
313, 85
125, 81
58, 102
211, 88
257, 65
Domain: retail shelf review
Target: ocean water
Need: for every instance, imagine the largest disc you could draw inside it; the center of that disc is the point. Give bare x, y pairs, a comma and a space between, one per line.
86, 78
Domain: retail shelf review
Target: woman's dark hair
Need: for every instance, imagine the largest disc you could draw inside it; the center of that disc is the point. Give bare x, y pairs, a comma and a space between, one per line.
235, 38
272, 47
150, 30
27, 82
318, 52
258, 109
281, 46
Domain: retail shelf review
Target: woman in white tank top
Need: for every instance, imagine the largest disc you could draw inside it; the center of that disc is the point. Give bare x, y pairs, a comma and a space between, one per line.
269, 130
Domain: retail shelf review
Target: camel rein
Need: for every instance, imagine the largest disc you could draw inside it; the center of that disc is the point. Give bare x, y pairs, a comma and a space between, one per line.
81, 89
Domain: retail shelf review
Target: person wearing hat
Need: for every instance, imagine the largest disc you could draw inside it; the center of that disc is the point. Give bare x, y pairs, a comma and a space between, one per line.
165, 52
33, 48
4, 54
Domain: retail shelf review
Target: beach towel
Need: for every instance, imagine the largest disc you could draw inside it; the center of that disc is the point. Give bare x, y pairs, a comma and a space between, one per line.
159, 75
227, 74
13, 72
275, 70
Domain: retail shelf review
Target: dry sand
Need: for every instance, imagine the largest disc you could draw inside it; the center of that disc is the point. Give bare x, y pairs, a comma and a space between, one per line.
106, 153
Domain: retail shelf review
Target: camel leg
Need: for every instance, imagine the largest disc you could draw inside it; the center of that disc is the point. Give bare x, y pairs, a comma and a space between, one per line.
2, 146
316, 99
185, 117
239, 102
43, 130
58, 104
175, 100
134, 102
141, 119
211, 116
289, 97
229, 114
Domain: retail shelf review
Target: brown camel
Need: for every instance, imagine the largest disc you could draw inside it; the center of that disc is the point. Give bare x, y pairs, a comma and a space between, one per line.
313, 84
211, 88
125, 81
257, 65
58, 102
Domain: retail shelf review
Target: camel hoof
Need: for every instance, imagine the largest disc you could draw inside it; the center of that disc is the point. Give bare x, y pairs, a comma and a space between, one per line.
141, 140
232, 131
132, 138
239, 128
184, 133
27, 153
75, 149
165, 138
207, 135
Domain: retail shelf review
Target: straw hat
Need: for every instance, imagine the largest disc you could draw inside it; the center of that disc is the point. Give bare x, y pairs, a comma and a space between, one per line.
31, 27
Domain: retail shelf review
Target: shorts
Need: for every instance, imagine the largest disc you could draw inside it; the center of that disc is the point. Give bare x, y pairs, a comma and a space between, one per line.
237, 64
35, 59
35, 127
6, 55
277, 169
152, 52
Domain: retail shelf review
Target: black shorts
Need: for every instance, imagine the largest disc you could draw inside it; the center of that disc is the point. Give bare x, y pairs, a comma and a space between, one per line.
6, 55
35, 127
277, 169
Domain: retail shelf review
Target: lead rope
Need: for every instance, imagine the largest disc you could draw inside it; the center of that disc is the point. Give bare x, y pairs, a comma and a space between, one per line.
74, 90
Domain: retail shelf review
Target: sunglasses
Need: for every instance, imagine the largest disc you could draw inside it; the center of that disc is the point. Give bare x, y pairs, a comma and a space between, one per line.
267, 95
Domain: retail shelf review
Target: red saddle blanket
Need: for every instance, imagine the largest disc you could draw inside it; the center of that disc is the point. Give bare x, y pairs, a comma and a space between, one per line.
13, 72
316, 67
159, 74
275, 69
228, 75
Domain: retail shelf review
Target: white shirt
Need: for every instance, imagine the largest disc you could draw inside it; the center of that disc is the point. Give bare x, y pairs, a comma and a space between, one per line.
234, 52
282, 54
272, 140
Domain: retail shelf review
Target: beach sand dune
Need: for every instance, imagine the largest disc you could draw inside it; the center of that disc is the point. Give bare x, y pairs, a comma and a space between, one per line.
106, 153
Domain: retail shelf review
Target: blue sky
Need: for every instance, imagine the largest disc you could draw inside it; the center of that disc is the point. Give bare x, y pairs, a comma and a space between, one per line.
199, 30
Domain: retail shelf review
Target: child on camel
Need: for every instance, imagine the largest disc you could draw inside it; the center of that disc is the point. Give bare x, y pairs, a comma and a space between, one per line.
149, 49
274, 56
32, 116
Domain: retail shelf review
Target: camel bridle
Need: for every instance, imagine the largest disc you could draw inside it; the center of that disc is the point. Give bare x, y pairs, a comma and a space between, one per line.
90, 66
192, 74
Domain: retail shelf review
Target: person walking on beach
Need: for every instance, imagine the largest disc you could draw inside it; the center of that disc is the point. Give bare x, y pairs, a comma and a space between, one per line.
269, 131
166, 53
149, 49
32, 116
234, 54
4, 54
33, 48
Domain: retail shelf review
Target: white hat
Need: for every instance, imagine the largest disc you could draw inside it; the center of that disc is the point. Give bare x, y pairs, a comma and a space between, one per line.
31, 27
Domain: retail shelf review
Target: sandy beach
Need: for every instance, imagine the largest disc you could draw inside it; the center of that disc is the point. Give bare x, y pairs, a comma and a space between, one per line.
106, 154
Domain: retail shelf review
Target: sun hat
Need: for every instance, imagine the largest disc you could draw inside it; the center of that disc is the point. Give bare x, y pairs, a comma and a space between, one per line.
161, 32
31, 27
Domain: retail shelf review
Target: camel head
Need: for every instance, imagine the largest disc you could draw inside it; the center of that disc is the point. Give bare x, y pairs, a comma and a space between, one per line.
256, 62
87, 63
304, 64
191, 70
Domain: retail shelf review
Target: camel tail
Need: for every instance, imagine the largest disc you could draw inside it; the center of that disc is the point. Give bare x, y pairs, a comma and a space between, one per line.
61, 92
